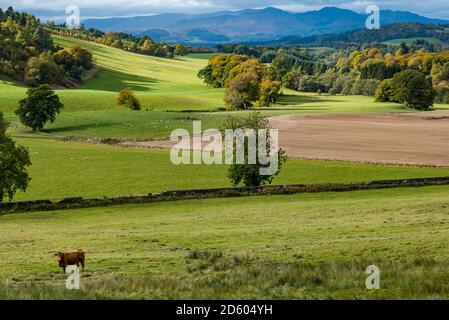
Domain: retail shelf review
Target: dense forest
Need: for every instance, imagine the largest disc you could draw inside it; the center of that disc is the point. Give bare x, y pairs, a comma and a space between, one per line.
360, 72
365, 36
346, 71
27, 53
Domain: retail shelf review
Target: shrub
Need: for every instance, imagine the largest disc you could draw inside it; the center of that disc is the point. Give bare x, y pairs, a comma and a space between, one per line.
42, 71
127, 99
291, 79
443, 92
370, 87
333, 91
384, 92
310, 84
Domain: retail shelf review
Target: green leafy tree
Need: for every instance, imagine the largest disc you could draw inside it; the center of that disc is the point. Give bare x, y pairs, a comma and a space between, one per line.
443, 92
82, 57
13, 162
291, 79
248, 174
42, 38
384, 92
42, 70
147, 47
127, 99
180, 50
242, 91
39, 107
411, 88
269, 92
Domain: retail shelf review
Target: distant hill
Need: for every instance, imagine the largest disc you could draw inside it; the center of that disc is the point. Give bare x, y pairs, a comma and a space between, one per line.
439, 33
249, 25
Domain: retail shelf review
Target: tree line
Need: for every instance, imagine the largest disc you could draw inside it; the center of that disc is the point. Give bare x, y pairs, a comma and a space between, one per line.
143, 45
367, 72
369, 37
352, 71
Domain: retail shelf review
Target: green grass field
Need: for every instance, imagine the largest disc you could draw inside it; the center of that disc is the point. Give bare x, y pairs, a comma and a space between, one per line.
66, 169
409, 41
161, 85
312, 246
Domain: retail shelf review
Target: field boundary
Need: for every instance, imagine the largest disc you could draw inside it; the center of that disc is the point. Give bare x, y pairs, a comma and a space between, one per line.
79, 202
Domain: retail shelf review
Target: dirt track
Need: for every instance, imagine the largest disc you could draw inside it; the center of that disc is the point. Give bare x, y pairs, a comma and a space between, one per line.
402, 138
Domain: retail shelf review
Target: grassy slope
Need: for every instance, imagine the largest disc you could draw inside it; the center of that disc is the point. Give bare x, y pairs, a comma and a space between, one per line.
66, 169
160, 84
298, 246
256, 235
165, 84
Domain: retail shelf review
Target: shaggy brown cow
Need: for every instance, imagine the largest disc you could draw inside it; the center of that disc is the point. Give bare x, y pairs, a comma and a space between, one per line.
70, 258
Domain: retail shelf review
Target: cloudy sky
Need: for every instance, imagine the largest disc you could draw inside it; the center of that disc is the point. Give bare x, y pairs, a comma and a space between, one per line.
108, 8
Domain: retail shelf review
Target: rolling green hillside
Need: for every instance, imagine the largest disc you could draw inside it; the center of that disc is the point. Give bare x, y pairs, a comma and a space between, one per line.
163, 84
280, 247
309, 246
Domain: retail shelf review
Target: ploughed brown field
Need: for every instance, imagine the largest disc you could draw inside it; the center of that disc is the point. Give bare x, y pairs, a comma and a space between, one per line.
395, 138
390, 138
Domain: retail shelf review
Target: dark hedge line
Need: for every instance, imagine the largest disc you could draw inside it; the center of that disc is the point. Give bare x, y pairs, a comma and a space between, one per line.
74, 203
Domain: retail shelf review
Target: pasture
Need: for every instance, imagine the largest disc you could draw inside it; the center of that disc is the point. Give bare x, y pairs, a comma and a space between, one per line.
309, 246
304, 246
161, 85
67, 169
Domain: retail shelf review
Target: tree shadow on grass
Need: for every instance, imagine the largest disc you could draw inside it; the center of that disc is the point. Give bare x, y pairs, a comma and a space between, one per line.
290, 108
289, 100
114, 81
12, 82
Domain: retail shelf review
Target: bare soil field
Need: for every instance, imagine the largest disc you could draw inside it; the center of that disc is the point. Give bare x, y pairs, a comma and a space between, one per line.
389, 138
399, 138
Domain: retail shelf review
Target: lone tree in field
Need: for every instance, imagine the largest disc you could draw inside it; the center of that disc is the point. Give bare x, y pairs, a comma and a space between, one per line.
249, 174
127, 99
40, 106
13, 162
411, 88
